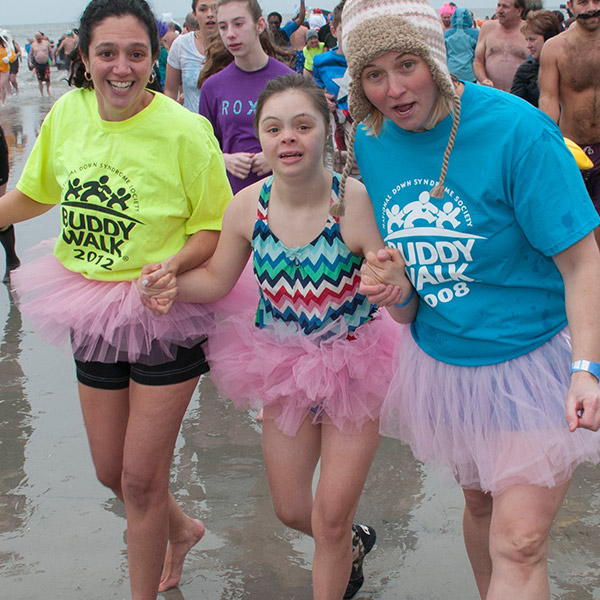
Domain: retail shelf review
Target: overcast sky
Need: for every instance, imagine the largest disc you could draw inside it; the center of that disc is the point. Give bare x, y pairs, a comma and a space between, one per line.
63, 11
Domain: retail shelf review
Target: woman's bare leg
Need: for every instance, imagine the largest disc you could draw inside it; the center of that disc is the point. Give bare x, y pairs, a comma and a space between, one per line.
519, 532
142, 425
345, 463
290, 462
476, 532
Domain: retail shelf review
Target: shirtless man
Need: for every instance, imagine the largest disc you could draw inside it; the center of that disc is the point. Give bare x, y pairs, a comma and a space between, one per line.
298, 38
68, 44
39, 59
501, 46
569, 82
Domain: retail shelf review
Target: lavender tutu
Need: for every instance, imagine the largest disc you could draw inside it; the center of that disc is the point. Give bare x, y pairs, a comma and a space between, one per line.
492, 426
103, 320
341, 380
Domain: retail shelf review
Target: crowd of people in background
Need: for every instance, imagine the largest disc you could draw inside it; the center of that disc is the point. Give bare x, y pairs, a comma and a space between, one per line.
39, 54
523, 26
502, 51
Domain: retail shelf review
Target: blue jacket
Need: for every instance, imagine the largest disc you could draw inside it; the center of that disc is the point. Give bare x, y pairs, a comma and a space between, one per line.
461, 40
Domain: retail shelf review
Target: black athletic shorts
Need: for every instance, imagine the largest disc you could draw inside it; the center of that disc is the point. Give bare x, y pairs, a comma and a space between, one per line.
189, 363
3, 158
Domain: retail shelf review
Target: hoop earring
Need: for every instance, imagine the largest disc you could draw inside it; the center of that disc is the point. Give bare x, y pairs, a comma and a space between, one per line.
151, 80
87, 76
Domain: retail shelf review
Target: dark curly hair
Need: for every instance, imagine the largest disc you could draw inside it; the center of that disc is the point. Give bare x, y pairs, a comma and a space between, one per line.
95, 12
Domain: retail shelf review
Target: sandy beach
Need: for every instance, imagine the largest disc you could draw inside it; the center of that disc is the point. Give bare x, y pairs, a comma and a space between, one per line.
62, 535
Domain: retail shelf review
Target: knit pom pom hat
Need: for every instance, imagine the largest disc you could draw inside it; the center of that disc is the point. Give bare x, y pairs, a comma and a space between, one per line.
372, 28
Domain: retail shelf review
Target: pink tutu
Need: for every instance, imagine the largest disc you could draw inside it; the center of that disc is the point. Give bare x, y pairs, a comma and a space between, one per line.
492, 426
104, 320
341, 380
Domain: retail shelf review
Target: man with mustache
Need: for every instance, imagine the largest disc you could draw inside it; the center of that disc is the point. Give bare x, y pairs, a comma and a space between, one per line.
501, 46
569, 81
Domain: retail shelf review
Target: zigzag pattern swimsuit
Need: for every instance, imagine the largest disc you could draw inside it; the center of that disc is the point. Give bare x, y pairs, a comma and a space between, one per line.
314, 286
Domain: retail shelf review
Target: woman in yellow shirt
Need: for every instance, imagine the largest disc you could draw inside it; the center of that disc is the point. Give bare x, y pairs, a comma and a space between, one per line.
125, 201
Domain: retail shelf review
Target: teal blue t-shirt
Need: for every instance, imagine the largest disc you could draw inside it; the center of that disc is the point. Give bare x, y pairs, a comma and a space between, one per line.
480, 258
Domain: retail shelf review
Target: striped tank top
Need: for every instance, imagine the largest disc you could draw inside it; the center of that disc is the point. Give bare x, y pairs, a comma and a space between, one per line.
314, 286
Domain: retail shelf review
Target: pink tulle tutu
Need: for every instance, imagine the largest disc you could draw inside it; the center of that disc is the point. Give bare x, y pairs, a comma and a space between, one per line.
103, 320
341, 380
492, 426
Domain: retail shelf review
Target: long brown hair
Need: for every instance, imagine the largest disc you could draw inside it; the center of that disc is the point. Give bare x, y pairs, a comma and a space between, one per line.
218, 57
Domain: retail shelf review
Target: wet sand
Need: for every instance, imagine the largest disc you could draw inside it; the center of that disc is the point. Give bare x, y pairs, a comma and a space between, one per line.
62, 535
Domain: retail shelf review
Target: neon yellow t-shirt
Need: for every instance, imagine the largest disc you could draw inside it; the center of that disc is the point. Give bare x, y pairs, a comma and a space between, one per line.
131, 192
310, 53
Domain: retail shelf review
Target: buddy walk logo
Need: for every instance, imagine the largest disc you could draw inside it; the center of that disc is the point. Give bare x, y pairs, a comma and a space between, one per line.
93, 215
429, 232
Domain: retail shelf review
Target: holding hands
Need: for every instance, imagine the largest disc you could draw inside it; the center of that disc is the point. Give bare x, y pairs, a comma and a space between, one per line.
157, 287
384, 280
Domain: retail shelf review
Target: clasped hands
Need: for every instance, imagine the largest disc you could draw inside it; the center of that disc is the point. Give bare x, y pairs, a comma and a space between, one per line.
383, 277
240, 164
157, 287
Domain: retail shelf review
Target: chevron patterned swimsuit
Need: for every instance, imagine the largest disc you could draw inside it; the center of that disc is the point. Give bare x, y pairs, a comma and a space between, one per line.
315, 285
315, 347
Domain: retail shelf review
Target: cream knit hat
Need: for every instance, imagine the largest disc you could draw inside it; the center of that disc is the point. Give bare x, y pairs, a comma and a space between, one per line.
372, 28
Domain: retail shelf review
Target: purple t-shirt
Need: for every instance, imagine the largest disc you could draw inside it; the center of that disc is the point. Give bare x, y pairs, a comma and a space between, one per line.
228, 101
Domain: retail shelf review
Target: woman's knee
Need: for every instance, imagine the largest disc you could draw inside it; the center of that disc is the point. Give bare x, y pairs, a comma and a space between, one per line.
519, 542
141, 490
331, 524
521, 523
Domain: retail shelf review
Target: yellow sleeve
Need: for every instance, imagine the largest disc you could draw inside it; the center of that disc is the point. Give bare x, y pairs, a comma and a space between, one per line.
38, 179
210, 192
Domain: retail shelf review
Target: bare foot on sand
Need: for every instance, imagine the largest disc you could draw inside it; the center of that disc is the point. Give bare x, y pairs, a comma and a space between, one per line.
176, 552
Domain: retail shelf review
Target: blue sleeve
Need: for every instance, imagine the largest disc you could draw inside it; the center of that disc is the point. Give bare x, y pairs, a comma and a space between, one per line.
317, 74
550, 200
290, 27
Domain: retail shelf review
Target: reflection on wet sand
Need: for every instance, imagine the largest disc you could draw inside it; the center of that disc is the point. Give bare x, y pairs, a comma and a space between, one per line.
15, 429
62, 535
21, 123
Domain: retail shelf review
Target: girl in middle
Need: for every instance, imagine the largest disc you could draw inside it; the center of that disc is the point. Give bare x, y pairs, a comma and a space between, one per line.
315, 354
